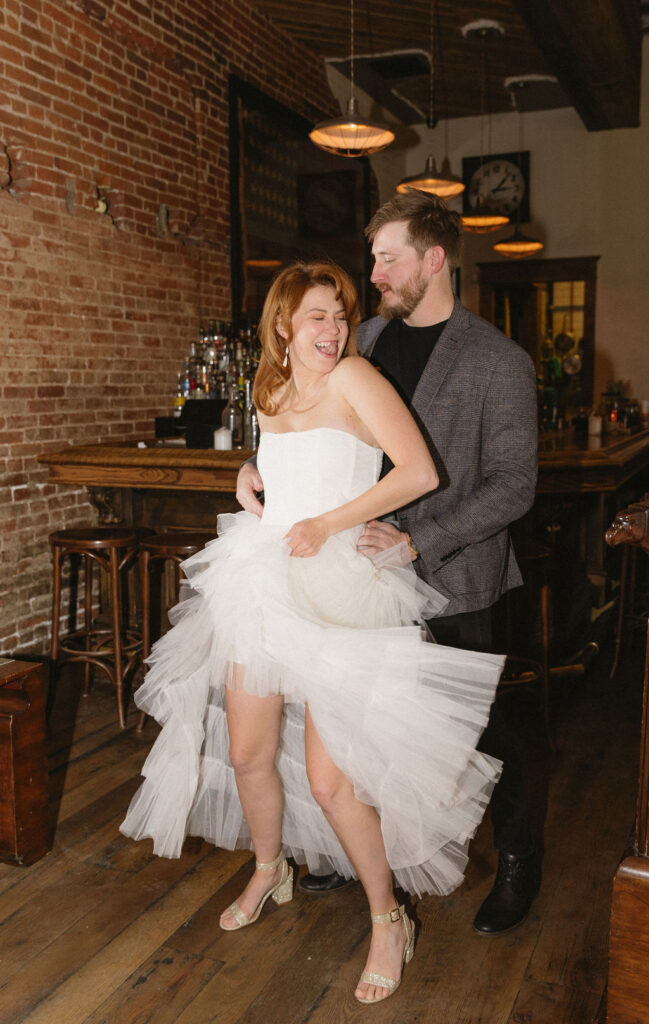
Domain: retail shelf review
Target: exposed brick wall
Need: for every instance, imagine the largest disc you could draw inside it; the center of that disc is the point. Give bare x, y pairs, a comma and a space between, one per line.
126, 102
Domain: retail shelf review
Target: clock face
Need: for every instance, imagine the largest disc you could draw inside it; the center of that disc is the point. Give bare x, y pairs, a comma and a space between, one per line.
498, 183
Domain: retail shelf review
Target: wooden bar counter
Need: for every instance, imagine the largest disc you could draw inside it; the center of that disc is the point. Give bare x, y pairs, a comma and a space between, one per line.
157, 485
582, 483
567, 465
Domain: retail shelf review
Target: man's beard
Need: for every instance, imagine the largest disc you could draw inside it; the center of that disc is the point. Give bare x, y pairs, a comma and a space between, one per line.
405, 301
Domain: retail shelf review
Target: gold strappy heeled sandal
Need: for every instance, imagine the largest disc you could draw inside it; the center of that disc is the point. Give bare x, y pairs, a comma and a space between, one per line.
281, 893
380, 980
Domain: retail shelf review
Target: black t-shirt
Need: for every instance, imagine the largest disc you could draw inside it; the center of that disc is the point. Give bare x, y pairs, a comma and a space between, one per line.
402, 352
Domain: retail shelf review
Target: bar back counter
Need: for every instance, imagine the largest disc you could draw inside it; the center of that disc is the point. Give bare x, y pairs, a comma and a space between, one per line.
164, 486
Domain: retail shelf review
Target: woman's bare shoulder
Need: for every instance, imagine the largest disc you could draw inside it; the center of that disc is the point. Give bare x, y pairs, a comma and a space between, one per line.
354, 368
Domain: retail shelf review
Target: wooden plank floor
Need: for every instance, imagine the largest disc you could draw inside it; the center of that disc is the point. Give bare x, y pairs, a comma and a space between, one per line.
102, 932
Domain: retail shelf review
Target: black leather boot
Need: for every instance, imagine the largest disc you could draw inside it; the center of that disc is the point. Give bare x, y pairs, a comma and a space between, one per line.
322, 885
513, 892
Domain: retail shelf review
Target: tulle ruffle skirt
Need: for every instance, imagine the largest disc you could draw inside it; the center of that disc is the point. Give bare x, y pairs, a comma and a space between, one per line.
400, 716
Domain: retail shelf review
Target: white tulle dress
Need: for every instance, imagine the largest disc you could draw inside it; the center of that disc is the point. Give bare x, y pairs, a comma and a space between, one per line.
399, 715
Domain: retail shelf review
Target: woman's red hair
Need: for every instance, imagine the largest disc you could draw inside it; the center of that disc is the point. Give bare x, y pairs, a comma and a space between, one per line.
285, 295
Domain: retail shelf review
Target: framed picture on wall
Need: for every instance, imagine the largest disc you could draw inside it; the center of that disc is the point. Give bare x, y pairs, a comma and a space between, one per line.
326, 203
289, 200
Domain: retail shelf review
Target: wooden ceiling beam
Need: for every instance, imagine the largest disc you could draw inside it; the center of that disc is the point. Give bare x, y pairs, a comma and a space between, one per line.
594, 49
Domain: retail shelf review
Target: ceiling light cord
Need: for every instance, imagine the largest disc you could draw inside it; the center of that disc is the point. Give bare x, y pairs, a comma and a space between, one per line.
351, 56
431, 77
351, 135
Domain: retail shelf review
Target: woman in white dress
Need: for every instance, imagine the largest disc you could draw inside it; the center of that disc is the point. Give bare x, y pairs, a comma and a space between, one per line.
303, 712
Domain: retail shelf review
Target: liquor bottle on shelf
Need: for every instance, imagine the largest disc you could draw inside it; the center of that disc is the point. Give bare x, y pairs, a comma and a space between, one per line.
232, 418
194, 365
187, 382
222, 356
180, 398
250, 422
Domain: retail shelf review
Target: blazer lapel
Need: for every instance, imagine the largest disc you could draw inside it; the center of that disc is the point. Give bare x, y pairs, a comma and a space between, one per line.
444, 354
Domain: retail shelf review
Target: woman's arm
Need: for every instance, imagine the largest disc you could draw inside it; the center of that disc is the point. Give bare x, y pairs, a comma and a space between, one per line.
374, 403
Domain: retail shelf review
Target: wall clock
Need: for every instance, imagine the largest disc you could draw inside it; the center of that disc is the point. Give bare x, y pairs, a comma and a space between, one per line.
503, 182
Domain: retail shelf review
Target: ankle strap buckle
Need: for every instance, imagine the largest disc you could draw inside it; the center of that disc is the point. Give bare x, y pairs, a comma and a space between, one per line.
390, 916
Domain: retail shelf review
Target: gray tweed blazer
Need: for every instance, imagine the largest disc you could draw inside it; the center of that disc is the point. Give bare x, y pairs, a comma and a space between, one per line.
476, 405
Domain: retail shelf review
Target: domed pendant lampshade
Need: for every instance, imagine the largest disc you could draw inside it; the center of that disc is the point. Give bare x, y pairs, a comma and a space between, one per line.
482, 219
442, 183
518, 245
351, 134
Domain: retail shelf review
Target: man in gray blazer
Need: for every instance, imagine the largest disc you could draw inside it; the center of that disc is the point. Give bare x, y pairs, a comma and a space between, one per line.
473, 393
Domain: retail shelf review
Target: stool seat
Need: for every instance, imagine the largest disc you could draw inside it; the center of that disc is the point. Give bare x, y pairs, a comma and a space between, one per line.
166, 545
163, 547
113, 648
94, 539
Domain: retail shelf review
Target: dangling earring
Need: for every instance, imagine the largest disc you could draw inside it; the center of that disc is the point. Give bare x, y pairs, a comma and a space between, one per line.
285, 363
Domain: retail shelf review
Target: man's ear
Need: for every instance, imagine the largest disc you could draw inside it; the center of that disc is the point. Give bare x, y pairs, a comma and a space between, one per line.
437, 257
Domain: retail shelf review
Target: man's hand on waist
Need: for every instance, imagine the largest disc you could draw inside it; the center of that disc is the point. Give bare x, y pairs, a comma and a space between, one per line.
378, 536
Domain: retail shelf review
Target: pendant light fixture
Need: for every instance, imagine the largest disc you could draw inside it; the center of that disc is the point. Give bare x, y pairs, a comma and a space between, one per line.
483, 217
263, 262
441, 183
518, 245
351, 135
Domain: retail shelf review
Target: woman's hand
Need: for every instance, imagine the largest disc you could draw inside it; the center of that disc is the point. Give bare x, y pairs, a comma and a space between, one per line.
249, 484
307, 537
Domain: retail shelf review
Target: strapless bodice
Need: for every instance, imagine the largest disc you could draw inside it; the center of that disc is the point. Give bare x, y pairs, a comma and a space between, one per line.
308, 472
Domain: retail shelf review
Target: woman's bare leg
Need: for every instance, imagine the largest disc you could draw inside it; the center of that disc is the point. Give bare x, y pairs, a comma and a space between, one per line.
253, 726
359, 831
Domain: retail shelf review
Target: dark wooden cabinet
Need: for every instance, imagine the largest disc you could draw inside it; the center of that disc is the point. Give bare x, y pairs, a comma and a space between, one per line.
25, 834
548, 307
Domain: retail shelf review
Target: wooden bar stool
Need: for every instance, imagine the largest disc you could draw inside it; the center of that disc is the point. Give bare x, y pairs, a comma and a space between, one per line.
114, 647
162, 548
633, 598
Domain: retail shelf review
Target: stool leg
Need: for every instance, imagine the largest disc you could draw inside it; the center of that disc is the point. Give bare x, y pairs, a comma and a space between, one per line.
87, 620
145, 597
621, 609
117, 637
634, 578
56, 615
179, 578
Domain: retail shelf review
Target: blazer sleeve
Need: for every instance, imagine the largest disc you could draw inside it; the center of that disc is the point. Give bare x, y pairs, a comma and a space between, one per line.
508, 468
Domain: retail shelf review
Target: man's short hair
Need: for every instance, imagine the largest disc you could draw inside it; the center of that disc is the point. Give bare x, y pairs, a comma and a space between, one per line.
430, 222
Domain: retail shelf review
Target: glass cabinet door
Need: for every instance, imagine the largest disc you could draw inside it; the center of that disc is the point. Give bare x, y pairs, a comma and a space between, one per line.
548, 307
